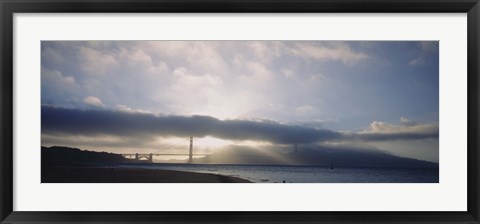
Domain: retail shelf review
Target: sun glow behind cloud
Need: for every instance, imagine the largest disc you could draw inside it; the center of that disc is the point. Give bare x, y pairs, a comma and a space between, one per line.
211, 143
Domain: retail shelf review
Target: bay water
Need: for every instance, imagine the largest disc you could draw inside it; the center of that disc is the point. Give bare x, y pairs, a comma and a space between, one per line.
305, 174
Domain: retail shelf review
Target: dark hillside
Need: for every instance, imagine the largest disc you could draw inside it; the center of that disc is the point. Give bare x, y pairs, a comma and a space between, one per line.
66, 155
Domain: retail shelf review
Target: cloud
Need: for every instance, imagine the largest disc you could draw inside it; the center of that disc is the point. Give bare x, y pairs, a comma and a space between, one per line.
118, 123
52, 55
429, 46
408, 130
306, 110
201, 56
266, 51
54, 83
191, 92
96, 62
127, 109
417, 61
184, 76
137, 59
54, 77
251, 71
286, 81
411, 127
338, 52
288, 73
407, 121
426, 50
101, 122
93, 101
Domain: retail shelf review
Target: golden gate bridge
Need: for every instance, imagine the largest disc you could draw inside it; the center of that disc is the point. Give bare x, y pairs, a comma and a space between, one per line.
148, 157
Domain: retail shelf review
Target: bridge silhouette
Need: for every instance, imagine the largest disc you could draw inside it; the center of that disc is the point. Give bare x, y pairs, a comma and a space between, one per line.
148, 157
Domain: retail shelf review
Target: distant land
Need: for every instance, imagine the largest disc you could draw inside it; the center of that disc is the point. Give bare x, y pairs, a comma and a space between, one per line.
72, 165
320, 156
324, 156
74, 156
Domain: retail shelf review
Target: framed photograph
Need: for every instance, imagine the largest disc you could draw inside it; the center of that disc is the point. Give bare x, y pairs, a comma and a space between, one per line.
237, 111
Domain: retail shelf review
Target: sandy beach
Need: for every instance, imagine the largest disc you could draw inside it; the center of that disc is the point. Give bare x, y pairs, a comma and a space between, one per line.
91, 174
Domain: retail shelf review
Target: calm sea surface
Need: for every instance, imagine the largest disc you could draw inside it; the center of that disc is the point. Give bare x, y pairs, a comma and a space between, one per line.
306, 174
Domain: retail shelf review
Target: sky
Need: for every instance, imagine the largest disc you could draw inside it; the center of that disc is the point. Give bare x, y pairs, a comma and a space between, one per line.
151, 96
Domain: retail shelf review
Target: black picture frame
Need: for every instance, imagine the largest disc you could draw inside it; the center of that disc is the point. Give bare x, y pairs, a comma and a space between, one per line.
9, 7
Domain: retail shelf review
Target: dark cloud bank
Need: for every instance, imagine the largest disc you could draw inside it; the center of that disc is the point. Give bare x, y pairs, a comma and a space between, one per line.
312, 150
96, 122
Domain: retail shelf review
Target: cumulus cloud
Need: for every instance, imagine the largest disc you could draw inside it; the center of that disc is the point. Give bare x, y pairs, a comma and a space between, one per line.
53, 77
382, 127
288, 72
407, 121
170, 76
201, 56
426, 50
417, 61
191, 92
93, 101
251, 71
124, 108
137, 59
96, 62
306, 110
429, 46
407, 130
54, 83
338, 52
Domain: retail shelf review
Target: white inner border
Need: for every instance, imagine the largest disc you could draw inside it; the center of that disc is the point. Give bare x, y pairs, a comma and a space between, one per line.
448, 195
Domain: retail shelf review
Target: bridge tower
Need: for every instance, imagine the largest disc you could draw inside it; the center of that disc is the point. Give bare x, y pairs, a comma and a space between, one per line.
295, 148
190, 154
136, 156
150, 158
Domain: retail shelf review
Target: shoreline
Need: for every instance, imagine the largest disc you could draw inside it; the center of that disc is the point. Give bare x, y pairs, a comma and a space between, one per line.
96, 174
